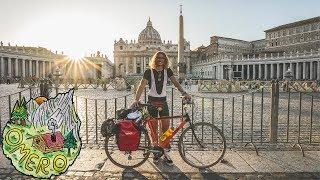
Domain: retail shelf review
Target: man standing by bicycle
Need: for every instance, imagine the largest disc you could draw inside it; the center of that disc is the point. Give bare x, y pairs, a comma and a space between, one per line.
157, 77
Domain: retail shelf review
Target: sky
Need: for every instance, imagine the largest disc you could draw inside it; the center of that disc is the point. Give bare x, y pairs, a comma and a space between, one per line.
82, 27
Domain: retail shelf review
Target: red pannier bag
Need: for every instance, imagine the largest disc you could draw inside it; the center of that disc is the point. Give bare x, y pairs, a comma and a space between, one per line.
128, 137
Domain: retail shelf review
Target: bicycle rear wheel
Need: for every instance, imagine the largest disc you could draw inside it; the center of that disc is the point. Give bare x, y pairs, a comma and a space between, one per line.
207, 151
127, 159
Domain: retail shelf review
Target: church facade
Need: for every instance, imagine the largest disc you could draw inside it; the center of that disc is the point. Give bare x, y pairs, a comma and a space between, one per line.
132, 58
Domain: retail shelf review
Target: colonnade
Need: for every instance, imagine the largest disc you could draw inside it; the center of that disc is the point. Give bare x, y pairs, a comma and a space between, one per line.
300, 70
20, 67
306, 70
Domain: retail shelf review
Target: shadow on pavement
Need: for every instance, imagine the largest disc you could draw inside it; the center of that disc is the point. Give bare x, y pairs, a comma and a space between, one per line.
227, 163
209, 174
132, 174
169, 172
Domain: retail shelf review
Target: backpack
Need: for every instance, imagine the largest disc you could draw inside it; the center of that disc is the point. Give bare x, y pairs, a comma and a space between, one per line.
128, 136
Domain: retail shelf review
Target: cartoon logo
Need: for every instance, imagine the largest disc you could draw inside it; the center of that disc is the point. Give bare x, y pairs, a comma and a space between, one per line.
42, 137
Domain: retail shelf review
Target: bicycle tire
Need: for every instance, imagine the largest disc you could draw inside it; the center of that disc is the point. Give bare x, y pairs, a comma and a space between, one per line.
111, 148
215, 134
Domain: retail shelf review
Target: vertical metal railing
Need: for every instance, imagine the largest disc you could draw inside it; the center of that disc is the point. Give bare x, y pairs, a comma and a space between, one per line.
202, 117
96, 118
311, 120
222, 116
86, 119
252, 111
288, 114
172, 90
9, 106
115, 107
106, 109
232, 119
1, 126
261, 115
299, 123
242, 117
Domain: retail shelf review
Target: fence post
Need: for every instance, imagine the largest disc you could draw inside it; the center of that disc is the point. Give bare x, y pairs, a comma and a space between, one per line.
274, 111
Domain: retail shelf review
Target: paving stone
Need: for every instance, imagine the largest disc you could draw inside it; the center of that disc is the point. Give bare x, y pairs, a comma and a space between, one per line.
79, 173
88, 174
70, 173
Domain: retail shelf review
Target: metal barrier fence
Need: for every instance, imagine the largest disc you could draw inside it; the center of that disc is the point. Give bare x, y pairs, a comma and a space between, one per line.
259, 117
244, 118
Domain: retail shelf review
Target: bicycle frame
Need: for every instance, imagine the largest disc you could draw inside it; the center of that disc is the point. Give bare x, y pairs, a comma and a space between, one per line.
155, 139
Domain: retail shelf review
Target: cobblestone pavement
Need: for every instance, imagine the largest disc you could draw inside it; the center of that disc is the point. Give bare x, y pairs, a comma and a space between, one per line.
132, 174
238, 165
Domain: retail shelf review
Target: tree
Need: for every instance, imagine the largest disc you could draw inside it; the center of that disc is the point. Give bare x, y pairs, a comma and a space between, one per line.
20, 112
70, 142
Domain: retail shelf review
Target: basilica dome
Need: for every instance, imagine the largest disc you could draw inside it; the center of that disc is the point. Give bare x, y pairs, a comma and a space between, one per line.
149, 35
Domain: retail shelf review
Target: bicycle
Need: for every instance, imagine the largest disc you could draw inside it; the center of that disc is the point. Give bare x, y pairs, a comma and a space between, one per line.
197, 137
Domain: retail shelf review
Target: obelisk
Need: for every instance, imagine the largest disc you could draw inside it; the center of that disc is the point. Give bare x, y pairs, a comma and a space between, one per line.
181, 60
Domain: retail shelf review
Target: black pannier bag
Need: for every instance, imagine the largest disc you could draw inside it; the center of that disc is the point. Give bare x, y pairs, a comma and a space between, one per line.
109, 127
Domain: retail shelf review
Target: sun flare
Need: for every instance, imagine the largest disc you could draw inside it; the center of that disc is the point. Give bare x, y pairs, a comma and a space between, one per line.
75, 56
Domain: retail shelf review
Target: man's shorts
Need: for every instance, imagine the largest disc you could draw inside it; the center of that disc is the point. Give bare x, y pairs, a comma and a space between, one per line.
163, 112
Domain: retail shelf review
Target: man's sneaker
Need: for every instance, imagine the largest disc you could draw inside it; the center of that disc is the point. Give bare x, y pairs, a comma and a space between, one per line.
167, 158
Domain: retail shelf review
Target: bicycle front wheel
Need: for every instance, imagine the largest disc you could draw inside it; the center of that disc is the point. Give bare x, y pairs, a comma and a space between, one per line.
128, 159
202, 145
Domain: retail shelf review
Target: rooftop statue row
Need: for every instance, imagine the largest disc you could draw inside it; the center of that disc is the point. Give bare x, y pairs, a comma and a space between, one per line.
28, 50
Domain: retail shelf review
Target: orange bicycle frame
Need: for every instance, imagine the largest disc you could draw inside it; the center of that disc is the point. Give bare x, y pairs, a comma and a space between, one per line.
153, 135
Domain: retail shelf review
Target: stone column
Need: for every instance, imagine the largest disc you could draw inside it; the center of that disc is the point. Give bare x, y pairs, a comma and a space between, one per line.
23, 68
126, 59
242, 72
134, 65
248, 71
304, 68
254, 72
230, 72
298, 71
9, 67
260, 71
221, 70
30, 68
318, 70
311, 70
272, 71
266, 71
16, 67
37, 68
278, 70
292, 70
50, 67
284, 69
43, 68
2, 66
